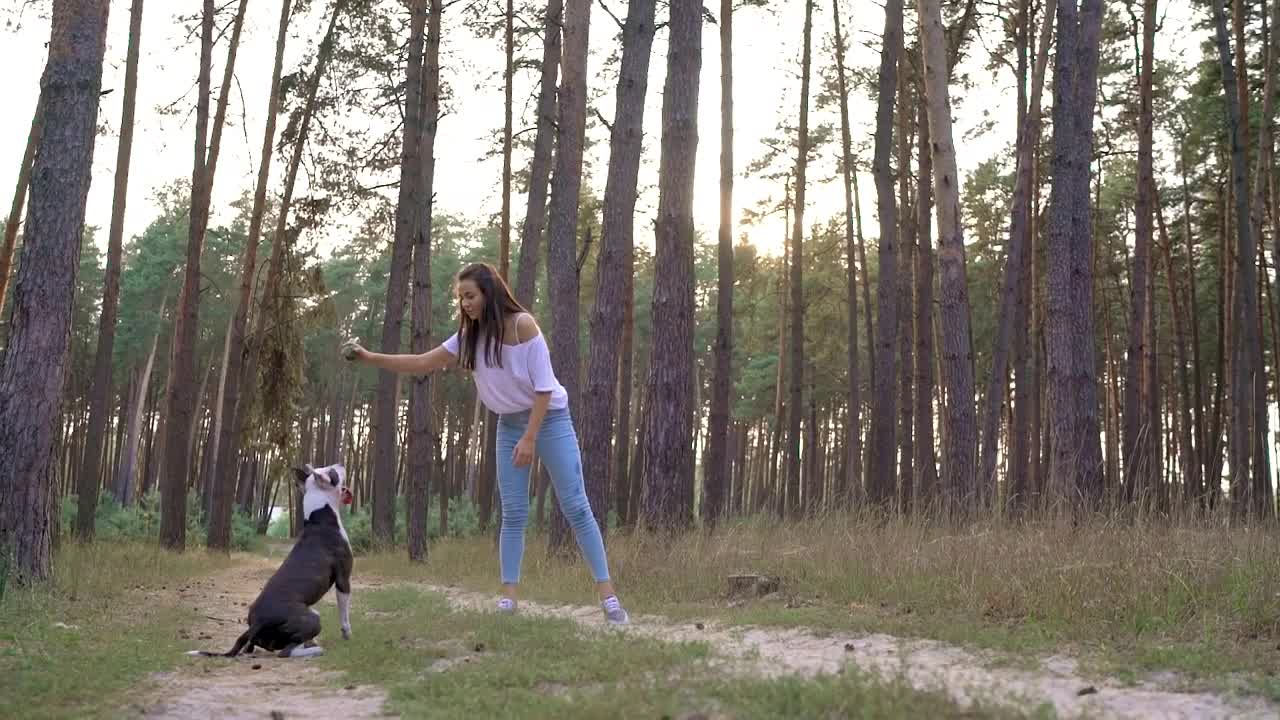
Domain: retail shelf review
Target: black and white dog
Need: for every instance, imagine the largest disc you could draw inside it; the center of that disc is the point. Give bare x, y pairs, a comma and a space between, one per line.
281, 619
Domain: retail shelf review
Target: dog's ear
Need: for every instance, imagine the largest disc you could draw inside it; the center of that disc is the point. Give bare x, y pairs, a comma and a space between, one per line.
336, 474
300, 474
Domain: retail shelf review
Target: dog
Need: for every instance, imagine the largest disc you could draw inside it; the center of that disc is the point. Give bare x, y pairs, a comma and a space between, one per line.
281, 619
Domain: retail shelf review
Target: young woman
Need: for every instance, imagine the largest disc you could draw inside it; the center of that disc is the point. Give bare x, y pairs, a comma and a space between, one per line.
499, 341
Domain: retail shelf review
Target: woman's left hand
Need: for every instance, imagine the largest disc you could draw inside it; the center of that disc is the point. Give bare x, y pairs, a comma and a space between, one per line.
523, 456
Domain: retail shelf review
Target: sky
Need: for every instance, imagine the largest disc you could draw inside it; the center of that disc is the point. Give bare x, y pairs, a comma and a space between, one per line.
766, 67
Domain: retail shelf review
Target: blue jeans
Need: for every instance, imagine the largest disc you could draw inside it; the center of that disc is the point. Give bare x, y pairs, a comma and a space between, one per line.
557, 447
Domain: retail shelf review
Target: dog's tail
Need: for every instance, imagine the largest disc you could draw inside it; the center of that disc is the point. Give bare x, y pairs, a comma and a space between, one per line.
235, 649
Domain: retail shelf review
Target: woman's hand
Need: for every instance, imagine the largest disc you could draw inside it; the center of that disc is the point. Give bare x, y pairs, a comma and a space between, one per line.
523, 456
352, 351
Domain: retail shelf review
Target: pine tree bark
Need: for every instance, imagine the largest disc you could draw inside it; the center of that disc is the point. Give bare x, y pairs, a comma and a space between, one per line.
1188, 461
100, 390
796, 394
615, 268
179, 402
716, 477
962, 490
562, 233
223, 469
882, 443
925, 465
32, 375
10, 245
906, 327
1196, 496
668, 427
1076, 470
1139, 450
1245, 348
540, 168
1012, 313
623, 472
508, 75
851, 482
407, 221
1262, 491
422, 437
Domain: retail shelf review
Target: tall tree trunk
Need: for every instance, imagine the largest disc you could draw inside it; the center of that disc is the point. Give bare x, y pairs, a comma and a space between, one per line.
540, 168
407, 221
1076, 471
959, 483
1188, 460
1262, 490
281, 239
10, 245
1039, 441
179, 403
1201, 438
508, 75
882, 443
562, 232
716, 477
100, 392
222, 472
1138, 445
623, 472
1244, 298
926, 467
1012, 313
615, 268
906, 328
797, 277
1214, 461
780, 407
851, 483
421, 434
668, 458
138, 410
31, 377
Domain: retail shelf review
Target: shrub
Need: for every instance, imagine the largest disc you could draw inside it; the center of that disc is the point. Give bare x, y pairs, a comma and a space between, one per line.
141, 522
464, 521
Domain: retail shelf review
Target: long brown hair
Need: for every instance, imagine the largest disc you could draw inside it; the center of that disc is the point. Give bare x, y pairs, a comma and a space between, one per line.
492, 324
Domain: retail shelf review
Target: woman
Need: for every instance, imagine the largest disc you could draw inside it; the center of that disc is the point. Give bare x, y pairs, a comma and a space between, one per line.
499, 341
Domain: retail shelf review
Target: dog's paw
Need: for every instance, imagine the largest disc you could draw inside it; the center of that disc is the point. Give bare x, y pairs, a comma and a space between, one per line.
346, 632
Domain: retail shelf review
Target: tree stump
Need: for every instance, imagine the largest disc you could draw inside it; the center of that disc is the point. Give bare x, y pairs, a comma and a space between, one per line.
752, 585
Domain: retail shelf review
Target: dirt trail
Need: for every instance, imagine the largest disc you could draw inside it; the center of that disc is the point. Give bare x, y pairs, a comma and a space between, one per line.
261, 686
248, 687
964, 675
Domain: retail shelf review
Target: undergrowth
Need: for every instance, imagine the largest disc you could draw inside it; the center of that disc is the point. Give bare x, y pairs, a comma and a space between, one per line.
141, 521
1202, 599
68, 646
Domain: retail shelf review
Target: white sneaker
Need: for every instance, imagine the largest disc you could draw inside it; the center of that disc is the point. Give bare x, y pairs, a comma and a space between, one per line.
614, 614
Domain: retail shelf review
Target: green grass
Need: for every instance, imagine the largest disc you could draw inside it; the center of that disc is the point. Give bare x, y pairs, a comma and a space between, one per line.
549, 668
117, 635
1198, 599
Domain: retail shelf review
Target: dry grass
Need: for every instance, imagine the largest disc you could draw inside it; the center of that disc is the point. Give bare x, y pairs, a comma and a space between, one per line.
1203, 599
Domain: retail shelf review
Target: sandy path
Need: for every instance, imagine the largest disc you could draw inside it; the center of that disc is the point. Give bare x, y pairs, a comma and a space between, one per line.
248, 687
927, 665
264, 686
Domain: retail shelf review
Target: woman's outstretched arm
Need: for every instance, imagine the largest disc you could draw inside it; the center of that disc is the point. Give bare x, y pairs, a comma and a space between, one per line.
429, 362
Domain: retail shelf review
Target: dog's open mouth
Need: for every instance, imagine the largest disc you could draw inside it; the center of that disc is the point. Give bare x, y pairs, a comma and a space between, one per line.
346, 496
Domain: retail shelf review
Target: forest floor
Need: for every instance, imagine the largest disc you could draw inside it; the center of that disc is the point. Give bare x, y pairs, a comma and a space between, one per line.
427, 644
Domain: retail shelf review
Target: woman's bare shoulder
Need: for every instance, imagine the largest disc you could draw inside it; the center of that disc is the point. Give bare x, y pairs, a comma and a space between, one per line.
526, 327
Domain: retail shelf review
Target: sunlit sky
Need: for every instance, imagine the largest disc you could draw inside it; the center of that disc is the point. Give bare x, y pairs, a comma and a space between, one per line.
766, 57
